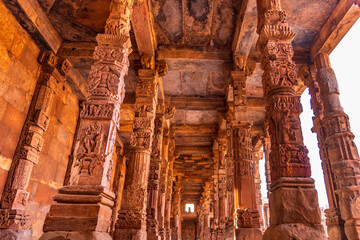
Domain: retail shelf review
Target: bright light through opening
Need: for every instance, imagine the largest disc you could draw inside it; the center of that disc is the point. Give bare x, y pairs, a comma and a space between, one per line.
189, 207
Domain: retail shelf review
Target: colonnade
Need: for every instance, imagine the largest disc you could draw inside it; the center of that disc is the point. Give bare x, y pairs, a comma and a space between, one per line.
84, 208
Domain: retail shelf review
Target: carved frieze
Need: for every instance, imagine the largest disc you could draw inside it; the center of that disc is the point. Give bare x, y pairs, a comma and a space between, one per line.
247, 218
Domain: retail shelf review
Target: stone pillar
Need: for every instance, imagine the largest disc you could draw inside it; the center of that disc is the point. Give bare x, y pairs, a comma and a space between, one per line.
169, 187
152, 226
207, 234
176, 229
163, 183
118, 183
267, 146
83, 209
229, 182
15, 221
244, 183
294, 209
215, 178
341, 151
257, 156
222, 188
132, 216
335, 225
247, 216
204, 214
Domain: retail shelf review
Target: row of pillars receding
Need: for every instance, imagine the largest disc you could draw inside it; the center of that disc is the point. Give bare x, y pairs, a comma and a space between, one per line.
84, 207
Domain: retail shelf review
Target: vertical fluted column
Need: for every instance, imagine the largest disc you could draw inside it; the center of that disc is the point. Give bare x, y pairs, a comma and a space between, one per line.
162, 184
222, 178
176, 229
154, 175
341, 150
215, 185
131, 222
169, 187
257, 156
267, 146
229, 181
84, 207
118, 184
335, 225
15, 195
294, 209
246, 214
203, 231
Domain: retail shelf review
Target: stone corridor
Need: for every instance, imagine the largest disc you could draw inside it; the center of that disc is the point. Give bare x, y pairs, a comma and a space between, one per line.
135, 120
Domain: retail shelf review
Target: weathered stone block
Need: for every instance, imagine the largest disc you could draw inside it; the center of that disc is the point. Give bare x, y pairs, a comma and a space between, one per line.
248, 234
15, 234
297, 231
295, 201
86, 235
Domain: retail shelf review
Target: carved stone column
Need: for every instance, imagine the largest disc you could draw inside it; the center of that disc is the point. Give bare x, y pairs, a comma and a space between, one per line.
335, 225
15, 221
154, 175
215, 184
246, 214
230, 182
169, 193
83, 209
203, 231
257, 156
222, 148
169, 187
267, 146
341, 152
163, 183
294, 209
131, 222
176, 229
118, 182
165, 165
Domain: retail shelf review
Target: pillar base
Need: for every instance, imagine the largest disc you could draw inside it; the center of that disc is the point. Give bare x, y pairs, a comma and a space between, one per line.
248, 234
162, 233
296, 231
130, 234
78, 235
335, 225
153, 236
352, 229
15, 234
294, 210
336, 232
83, 209
221, 235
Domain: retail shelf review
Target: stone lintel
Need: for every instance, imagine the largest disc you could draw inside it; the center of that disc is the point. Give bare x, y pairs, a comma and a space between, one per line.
342, 18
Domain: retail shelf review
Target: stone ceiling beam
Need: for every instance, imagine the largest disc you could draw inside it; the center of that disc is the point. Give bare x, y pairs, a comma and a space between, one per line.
194, 130
78, 84
33, 19
342, 18
199, 102
143, 28
188, 53
245, 28
181, 102
193, 150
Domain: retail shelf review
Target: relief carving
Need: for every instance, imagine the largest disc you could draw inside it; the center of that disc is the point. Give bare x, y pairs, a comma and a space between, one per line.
88, 154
